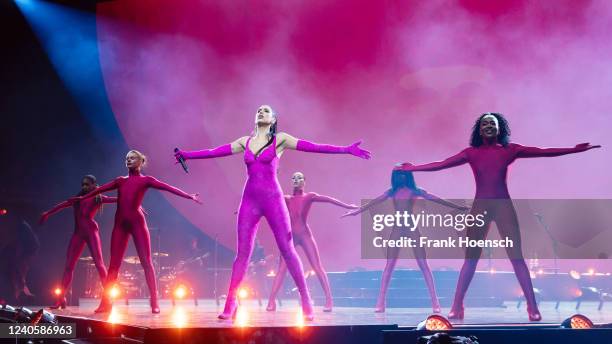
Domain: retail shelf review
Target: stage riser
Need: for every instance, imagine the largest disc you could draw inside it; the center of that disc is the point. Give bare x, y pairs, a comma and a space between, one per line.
407, 302
408, 289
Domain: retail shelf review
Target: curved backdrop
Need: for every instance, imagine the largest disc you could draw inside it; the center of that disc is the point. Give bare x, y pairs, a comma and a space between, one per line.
409, 78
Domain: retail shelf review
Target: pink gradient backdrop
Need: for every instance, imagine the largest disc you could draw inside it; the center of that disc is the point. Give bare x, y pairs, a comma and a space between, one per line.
407, 77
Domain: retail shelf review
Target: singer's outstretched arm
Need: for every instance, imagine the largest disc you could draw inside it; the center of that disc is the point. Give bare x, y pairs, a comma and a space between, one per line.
287, 141
234, 147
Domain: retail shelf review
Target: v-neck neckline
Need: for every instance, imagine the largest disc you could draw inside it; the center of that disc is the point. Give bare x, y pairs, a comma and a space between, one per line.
263, 150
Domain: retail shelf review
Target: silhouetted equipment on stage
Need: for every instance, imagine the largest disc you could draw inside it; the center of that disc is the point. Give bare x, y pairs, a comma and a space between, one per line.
257, 275
136, 260
93, 285
445, 338
183, 271
9, 314
489, 288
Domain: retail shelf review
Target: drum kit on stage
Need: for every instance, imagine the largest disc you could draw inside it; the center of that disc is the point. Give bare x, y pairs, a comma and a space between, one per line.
131, 279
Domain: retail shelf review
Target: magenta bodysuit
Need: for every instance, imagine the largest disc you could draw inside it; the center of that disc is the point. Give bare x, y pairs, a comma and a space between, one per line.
86, 231
489, 164
298, 206
263, 196
130, 220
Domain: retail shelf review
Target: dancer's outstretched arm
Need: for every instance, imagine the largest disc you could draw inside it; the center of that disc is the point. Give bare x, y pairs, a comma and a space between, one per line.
112, 185
326, 199
426, 195
234, 147
157, 184
109, 199
536, 152
287, 141
455, 160
57, 208
369, 205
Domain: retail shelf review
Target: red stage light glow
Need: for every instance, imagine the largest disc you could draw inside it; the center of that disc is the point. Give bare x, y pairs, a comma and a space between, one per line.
114, 292
435, 322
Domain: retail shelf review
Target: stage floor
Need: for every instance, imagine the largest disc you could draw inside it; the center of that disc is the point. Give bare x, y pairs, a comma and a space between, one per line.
186, 315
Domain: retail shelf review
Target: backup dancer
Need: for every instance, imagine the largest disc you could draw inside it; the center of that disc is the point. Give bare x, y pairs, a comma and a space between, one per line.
404, 192
489, 155
262, 196
130, 220
86, 231
298, 205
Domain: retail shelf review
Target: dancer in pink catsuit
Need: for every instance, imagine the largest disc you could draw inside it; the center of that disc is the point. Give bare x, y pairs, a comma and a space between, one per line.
130, 220
404, 192
489, 156
298, 205
262, 196
86, 231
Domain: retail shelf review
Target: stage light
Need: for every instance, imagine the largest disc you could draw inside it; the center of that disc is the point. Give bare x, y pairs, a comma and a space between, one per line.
574, 274
243, 293
577, 292
114, 317
578, 322
114, 292
540, 272
57, 291
3, 211
179, 317
180, 292
537, 293
435, 322
309, 273
591, 272
242, 317
492, 270
299, 320
271, 274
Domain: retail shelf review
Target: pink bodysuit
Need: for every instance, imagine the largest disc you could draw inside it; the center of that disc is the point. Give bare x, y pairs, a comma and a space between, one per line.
489, 163
130, 220
299, 208
86, 231
263, 196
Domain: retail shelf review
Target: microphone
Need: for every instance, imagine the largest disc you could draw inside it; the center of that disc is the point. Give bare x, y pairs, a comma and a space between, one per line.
181, 161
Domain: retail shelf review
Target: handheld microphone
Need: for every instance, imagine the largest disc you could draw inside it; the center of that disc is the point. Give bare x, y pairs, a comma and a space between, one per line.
181, 161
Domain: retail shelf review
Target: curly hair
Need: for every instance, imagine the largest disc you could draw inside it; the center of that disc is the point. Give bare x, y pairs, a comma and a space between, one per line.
503, 136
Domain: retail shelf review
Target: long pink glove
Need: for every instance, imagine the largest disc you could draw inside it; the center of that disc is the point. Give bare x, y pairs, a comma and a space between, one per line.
354, 149
220, 151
